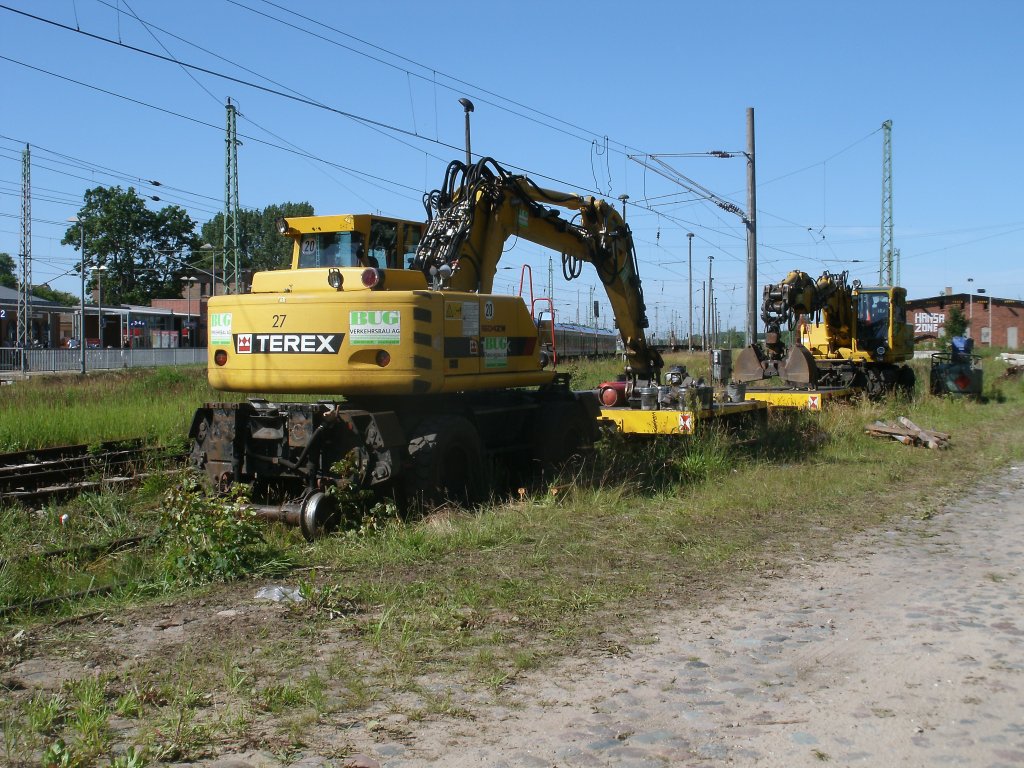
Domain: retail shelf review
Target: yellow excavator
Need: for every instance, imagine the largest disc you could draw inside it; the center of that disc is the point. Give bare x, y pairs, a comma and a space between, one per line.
845, 336
446, 388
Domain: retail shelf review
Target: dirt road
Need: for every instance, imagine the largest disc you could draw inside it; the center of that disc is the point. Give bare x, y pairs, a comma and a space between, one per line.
906, 649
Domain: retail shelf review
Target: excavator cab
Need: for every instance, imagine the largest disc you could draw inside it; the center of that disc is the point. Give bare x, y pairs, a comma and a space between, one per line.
882, 332
358, 240
873, 313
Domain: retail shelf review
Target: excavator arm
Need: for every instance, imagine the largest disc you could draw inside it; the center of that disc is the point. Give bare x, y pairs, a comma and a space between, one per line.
797, 295
481, 206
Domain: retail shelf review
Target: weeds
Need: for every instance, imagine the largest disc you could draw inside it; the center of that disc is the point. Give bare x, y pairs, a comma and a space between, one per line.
44, 713
208, 539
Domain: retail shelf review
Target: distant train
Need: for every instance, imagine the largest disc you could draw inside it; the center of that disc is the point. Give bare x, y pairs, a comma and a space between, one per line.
571, 341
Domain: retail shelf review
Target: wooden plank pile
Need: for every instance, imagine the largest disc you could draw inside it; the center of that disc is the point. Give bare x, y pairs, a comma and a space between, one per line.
907, 432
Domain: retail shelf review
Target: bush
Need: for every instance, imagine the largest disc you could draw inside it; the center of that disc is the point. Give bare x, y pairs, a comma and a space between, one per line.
209, 539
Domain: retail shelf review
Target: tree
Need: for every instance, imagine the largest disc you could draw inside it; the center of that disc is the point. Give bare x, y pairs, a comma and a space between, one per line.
260, 245
956, 324
144, 252
8, 273
60, 297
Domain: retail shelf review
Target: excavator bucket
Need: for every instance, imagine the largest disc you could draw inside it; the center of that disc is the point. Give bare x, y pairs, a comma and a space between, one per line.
749, 365
799, 368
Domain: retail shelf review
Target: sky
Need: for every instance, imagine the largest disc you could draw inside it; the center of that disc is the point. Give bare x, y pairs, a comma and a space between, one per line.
354, 107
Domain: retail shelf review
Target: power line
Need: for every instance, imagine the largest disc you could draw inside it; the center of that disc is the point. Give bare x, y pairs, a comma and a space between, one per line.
305, 100
91, 166
478, 89
206, 124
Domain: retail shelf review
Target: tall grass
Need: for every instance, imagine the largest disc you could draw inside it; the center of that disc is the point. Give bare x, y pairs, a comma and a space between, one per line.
63, 410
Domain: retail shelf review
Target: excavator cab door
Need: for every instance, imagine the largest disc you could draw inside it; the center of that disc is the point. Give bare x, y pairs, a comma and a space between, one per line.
874, 314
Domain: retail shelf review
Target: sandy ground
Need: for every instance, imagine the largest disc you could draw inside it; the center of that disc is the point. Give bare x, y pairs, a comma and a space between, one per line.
906, 649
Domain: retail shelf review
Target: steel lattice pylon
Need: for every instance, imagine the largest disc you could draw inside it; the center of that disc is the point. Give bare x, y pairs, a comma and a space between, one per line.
885, 253
25, 289
230, 245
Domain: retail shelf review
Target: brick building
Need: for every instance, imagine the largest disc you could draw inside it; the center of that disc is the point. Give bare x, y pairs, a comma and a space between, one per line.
1002, 318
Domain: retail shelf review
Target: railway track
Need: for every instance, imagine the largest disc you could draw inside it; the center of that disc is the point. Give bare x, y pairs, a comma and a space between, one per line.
54, 474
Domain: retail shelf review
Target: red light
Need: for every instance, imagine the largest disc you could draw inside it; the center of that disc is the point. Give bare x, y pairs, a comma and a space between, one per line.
220, 357
383, 358
372, 278
963, 381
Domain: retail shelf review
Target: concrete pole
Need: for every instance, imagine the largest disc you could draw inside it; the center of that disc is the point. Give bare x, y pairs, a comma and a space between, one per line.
751, 233
703, 318
709, 299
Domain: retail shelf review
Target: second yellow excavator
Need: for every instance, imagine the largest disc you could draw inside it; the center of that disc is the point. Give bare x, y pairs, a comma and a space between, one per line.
846, 335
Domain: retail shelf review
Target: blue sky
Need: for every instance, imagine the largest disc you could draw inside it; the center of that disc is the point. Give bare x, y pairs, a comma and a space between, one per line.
570, 93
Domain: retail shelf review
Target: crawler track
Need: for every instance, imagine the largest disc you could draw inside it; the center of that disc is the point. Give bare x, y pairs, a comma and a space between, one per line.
53, 474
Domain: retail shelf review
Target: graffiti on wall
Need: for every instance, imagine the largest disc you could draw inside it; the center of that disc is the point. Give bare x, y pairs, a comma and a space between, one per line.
929, 323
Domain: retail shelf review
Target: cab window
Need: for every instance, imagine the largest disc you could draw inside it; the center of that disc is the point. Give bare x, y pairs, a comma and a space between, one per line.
873, 308
410, 240
331, 249
383, 250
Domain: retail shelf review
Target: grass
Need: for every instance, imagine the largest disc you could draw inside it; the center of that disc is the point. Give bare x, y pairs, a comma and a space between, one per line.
67, 410
452, 608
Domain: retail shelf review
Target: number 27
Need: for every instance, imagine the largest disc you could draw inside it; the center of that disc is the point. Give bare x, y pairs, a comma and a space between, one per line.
279, 321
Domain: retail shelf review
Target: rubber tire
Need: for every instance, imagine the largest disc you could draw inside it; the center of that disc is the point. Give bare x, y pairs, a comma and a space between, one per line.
445, 464
562, 433
906, 381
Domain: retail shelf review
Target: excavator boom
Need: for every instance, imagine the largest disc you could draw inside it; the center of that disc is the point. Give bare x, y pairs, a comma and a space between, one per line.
481, 206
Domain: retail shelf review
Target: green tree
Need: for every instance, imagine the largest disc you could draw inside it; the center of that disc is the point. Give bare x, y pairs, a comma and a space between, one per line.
60, 297
956, 324
144, 252
8, 273
260, 245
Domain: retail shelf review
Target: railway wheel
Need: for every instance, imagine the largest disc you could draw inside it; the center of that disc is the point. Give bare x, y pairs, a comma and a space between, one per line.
445, 463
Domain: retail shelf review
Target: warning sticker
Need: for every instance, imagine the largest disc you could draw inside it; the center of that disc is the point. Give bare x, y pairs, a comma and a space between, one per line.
374, 327
686, 423
220, 329
814, 402
470, 318
495, 351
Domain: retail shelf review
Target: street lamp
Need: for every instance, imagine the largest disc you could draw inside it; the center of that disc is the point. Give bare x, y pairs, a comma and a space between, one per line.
970, 309
468, 106
689, 269
189, 282
81, 249
206, 247
983, 290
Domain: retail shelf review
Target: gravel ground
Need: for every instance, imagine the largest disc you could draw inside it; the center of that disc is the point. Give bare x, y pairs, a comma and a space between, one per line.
905, 649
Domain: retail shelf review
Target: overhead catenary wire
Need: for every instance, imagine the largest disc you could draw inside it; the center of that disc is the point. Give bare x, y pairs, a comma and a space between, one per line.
310, 102
418, 136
